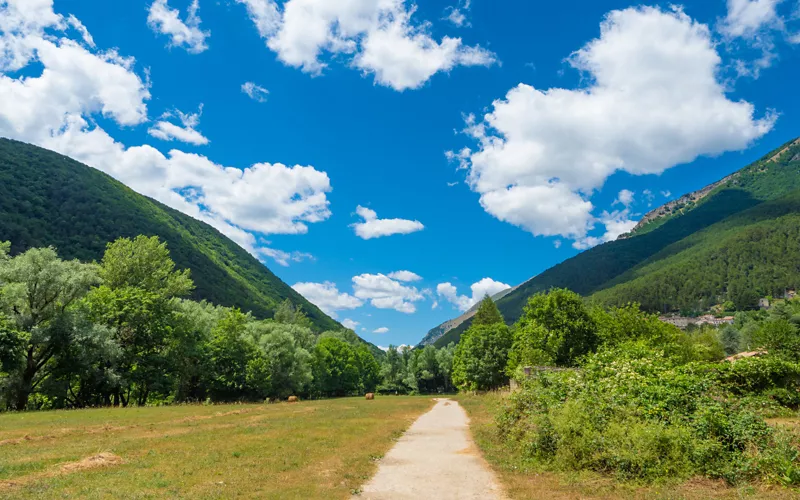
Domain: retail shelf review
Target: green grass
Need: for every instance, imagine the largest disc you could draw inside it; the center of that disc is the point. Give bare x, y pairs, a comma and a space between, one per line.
523, 478
314, 449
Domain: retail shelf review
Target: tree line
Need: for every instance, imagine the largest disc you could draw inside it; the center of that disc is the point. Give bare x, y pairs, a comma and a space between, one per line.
559, 329
121, 332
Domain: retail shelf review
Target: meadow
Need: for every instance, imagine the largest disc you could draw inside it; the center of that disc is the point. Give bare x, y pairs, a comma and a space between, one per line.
311, 449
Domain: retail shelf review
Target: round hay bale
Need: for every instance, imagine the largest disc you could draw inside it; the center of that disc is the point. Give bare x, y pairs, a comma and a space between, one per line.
370, 396
293, 399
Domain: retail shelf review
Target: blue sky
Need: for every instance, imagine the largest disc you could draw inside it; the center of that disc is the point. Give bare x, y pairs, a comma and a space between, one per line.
578, 118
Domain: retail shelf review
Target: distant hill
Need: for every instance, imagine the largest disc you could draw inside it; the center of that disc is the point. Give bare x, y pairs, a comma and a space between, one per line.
438, 332
47, 199
736, 239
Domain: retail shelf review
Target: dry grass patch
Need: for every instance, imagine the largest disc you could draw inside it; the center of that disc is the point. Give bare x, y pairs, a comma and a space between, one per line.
311, 449
523, 479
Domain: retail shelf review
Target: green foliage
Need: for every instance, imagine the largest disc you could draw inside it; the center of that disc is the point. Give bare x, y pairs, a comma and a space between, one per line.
39, 291
480, 358
487, 313
557, 327
76, 335
335, 367
47, 199
143, 263
640, 415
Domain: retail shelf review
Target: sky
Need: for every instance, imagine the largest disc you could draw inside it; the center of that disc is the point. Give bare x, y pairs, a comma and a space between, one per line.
395, 162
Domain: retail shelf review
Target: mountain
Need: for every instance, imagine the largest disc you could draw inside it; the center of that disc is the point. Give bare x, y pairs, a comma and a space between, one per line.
438, 332
47, 199
736, 240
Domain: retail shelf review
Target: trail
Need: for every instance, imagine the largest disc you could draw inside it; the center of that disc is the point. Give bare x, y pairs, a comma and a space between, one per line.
436, 458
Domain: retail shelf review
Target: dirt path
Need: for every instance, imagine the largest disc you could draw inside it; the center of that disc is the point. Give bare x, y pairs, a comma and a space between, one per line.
435, 458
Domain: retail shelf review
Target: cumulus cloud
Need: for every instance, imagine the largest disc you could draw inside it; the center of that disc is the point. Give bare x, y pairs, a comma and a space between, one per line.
327, 297
165, 20
373, 227
481, 289
378, 36
185, 132
85, 35
653, 101
350, 324
255, 92
405, 276
382, 329
55, 108
383, 292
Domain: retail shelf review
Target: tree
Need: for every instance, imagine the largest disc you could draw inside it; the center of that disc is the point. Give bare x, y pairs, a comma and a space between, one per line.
779, 336
230, 354
335, 367
556, 324
368, 368
39, 290
481, 356
289, 363
143, 263
137, 300
731, 339
289, 314
487, 313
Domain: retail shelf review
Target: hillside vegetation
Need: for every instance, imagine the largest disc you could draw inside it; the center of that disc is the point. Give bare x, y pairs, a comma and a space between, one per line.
47, 199
736, 244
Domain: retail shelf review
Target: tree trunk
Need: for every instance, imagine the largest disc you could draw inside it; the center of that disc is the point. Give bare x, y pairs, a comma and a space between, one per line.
26, 385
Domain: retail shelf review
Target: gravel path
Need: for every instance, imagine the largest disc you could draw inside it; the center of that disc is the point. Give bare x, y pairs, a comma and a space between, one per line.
435, 458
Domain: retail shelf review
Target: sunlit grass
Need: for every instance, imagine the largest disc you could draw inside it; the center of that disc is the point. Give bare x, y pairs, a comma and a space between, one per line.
314, 449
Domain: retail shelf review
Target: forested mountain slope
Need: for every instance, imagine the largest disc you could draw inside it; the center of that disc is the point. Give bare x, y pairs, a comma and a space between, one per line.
47, 199
738, 241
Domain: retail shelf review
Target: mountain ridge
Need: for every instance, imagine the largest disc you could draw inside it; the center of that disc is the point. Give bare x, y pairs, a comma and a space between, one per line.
772, 177
48, 199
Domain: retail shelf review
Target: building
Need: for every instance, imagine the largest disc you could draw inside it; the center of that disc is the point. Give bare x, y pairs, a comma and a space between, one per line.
682, 322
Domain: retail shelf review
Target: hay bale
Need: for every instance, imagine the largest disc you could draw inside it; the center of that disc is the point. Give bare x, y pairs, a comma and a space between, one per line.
293, 399
370, 396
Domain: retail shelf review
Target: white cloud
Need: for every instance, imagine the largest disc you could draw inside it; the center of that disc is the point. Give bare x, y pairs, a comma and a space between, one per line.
55, 109
378, 36
382, 329
649, 196
405, 276
666, 194
616, 223
373, 227
350, 324
653, 102
165, 20
748, 18
78, 25
255, 92
398, 347
457, 15
481, 289
383, 292
327, 297
283, 258
186, 132
625, 197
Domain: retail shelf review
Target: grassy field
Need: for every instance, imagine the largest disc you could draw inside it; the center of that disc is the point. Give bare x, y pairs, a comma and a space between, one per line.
523, 479
314, 449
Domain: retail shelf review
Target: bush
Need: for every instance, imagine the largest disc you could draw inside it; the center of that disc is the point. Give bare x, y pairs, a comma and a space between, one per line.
640, 414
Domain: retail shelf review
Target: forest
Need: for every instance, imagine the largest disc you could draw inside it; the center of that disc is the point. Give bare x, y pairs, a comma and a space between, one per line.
122, 332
